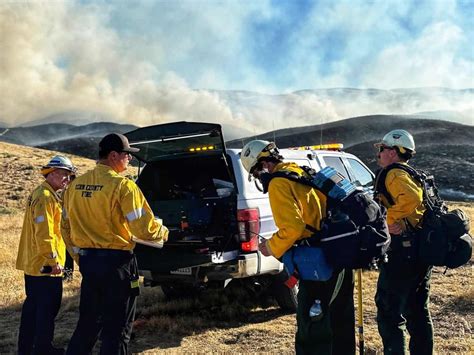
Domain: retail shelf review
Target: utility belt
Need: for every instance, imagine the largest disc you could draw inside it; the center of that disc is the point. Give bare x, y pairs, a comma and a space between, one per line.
104, 252
407, 239
106, 261
404, 248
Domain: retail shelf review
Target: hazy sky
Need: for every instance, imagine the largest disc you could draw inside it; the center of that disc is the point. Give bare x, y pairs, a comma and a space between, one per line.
145, 59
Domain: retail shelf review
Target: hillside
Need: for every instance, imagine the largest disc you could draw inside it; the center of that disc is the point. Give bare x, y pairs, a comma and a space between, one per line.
230, 321
443, 148
366, 129
19, 173
79, 140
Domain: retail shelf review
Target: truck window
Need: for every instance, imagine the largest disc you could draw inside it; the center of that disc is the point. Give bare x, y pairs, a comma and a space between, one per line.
361, 173
336, 163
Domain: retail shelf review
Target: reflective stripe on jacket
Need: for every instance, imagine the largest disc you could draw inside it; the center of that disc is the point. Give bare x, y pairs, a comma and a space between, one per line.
294, 205
41, 243
103, 210
407, 195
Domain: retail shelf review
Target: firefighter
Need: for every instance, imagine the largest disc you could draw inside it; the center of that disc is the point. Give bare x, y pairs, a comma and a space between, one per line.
41, 256
294, 206
403, 286
102, 211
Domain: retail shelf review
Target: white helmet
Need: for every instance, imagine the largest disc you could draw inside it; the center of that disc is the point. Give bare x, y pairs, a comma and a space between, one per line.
398, 138
255, 150
58, 162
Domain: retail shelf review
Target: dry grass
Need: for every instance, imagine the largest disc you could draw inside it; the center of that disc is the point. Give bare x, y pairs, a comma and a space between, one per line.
232, 320
19, 173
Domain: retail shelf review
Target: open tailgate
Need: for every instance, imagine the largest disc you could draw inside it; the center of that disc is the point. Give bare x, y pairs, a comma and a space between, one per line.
177, 139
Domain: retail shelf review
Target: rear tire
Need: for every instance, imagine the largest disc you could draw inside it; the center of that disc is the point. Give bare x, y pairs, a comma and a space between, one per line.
287, 298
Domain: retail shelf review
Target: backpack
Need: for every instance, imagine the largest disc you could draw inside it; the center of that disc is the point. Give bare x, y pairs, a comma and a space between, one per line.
443, 239
354, 233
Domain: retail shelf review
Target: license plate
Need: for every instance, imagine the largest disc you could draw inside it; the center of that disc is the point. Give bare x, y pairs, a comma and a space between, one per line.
182, 271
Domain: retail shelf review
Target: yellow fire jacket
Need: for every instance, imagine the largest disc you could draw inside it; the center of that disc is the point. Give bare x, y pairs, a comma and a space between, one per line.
41, 243
293, 206
407, 195
103, 210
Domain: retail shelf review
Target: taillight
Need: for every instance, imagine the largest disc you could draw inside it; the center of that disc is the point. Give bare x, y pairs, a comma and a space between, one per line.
249, 228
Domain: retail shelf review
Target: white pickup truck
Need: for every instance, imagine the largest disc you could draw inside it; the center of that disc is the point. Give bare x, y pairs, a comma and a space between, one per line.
214, 213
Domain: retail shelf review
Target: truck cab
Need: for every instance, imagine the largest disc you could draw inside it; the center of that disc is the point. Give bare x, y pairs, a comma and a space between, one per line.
216, 215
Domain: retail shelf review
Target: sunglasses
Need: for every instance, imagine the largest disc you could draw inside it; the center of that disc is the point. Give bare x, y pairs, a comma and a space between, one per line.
256, 169
127, 154
383, 147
